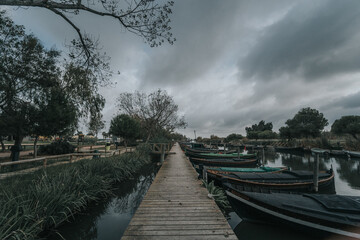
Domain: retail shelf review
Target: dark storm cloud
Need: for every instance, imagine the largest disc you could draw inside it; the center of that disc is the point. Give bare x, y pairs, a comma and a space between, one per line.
225, 51
314, 39
201, 31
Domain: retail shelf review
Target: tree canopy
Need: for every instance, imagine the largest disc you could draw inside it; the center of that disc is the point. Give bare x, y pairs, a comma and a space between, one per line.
37, 96
307, 122
125, 126
156, 111
233, 137
262, 130
347, 125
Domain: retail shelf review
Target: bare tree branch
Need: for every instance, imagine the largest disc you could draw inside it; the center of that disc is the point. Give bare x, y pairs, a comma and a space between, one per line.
143, 18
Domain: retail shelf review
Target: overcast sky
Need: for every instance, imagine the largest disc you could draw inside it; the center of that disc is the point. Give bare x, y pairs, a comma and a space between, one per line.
234, 62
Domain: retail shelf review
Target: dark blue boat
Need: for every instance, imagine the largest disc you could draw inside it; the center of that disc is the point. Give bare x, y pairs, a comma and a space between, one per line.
326, 215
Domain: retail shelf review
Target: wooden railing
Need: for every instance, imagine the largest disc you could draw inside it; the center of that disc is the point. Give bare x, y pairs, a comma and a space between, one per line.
62, 156
162, 149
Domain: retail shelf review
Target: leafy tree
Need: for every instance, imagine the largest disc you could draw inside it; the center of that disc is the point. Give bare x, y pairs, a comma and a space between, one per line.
55, 115
233, 137
285, 133
96, 123
26, 69
307, 122
267, 134
29, 81
347, 125
125, 126
105, 134
256, 130
156, 111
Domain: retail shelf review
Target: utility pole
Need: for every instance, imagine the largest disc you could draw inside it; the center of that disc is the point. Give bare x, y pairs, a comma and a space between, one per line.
195, 134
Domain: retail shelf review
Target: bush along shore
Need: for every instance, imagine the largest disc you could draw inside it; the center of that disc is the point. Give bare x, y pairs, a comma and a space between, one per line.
42, 200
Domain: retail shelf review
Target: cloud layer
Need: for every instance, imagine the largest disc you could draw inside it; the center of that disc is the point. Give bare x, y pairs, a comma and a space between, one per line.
234, 62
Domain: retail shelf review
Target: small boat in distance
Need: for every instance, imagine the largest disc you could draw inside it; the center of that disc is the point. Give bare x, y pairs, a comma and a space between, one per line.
353, 154
227, 162
220, 155
320, 151
284, 181
289, 149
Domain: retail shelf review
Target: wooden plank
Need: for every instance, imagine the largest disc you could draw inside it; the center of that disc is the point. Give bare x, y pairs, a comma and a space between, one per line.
174, 227
188, 232
177, 206
175, 237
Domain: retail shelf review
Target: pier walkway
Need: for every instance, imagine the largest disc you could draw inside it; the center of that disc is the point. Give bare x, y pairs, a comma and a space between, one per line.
177, 207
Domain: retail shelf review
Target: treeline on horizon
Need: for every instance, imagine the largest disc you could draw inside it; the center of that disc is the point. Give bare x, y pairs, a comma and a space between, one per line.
307, 123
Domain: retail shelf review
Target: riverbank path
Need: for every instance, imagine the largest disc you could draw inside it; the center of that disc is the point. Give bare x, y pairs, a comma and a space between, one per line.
177, 206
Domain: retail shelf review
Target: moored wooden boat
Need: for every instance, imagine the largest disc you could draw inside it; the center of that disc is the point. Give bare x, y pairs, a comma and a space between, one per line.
353, 154
220, 155
289, 181
224, 162
289, 149
205, 150
337, 153
215, 174
320, 151
261, 169
316, 214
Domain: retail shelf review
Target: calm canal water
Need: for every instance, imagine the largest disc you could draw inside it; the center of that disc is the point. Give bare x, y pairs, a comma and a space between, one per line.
347, 182
108, 219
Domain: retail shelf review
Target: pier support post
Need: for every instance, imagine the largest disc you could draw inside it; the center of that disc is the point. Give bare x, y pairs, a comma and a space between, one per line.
263, 156
162, 157
205, 174
316, 173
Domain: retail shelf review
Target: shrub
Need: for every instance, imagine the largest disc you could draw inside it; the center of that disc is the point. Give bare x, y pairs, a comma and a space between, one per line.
56, 148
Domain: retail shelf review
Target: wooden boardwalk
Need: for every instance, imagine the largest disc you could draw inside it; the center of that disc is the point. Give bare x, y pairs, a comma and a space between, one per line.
177, 207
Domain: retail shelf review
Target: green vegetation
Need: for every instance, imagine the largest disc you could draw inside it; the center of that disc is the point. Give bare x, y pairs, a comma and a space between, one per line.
41, 94
219, 195
262, 130
306, 123
56, 148
46, 198
233, 137
347, 125
125, 126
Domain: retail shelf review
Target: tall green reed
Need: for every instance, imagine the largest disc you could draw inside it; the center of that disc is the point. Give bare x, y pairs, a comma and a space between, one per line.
44, 199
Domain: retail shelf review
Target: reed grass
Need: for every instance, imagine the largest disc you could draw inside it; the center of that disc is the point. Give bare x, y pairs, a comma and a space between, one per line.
44, 199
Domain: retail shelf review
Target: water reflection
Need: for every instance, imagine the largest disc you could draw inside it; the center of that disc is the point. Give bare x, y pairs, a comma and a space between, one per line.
347, 182
109, 218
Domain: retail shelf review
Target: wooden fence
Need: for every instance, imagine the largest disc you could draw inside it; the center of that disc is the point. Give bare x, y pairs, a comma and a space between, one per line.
62, 156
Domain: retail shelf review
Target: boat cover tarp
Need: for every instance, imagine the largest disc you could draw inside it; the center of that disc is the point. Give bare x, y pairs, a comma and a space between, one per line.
260, 169
283, 176
337, 202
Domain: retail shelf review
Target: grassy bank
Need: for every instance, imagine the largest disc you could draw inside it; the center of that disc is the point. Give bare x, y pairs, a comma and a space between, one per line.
44, 199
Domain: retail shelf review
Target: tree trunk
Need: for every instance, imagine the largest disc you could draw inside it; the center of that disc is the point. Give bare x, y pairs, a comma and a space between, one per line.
354, 135
35, 147
125, 143
15, 150
2, 144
